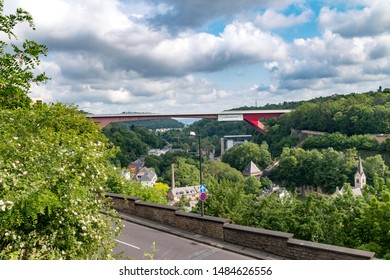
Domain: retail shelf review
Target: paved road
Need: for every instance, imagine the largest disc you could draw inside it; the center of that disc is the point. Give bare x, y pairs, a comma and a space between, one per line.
136, 240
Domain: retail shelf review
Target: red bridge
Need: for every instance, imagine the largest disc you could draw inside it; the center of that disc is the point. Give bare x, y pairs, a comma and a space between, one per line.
251, 117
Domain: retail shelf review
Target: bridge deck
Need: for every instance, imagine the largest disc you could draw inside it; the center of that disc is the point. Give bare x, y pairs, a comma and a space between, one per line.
251, 116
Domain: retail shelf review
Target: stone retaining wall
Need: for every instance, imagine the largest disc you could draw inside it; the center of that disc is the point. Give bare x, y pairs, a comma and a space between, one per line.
274, 242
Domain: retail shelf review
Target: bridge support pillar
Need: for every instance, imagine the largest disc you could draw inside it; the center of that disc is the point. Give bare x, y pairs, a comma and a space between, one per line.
255, 123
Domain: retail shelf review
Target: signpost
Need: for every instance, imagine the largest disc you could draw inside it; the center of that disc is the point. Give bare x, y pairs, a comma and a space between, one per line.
202, 196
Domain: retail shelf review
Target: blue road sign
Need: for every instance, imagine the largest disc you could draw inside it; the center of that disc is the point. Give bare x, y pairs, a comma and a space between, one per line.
203, 196
202, 188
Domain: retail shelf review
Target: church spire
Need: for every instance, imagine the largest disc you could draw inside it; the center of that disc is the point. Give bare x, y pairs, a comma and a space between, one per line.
360, 167
360, 177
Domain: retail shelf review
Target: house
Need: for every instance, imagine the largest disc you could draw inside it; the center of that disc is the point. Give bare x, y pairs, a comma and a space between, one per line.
136, 166
190, 192
146, 176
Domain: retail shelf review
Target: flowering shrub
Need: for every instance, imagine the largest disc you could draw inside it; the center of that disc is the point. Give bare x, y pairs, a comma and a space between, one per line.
54, 165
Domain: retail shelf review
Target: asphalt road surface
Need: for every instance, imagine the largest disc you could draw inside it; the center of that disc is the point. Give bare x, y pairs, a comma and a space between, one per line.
136, 240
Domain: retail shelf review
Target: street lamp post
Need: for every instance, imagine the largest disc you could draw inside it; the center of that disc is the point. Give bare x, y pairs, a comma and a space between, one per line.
200, 169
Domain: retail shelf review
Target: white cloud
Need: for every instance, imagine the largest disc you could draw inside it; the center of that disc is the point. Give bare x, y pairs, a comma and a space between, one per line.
371, 20
199, 13
272, 19
332, 63
107, 56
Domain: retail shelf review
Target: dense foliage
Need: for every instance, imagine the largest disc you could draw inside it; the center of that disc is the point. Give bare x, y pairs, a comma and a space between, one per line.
133, 142
156, 124
54, 165
240, 156
342, 142
156, 194
17, 61
325, 169
349, 115
186, 174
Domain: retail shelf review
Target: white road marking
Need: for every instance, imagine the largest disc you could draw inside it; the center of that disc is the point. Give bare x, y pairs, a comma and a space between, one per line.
127, 244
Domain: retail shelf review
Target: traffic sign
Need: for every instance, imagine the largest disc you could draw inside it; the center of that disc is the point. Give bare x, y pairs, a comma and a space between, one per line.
203, 196
202, 188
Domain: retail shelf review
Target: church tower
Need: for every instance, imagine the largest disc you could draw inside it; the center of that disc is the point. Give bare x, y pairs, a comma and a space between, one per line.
360, 177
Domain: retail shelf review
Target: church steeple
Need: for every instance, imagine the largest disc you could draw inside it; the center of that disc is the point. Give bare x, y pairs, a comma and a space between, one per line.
360, 177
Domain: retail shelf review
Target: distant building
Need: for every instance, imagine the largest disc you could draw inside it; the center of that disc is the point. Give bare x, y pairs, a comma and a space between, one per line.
192, 193
381, 137
147, 177
252, 170
360, 177
359, 182
136, 166
158, 152
229, 141
303, 134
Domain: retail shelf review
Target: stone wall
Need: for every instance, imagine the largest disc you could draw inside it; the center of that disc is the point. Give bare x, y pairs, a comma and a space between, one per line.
284, 245
273, 242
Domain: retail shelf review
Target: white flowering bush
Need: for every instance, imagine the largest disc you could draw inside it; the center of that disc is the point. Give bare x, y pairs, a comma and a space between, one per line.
54, 166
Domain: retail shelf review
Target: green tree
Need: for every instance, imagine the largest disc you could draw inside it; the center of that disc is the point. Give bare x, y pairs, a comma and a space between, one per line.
326, 169
239, 156
374, 225
375, 167
225, 199
54, 165
271, 212
18, 62
221, 171
185, 174
130, 143
252, 186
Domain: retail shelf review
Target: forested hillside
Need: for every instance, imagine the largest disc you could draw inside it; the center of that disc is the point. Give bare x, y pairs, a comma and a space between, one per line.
354, 115
133, 142
156, 124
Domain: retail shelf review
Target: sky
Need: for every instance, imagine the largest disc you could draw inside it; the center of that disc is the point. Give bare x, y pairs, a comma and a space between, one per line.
198, 56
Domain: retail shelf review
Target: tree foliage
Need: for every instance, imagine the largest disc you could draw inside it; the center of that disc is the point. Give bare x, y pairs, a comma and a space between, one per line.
225, 199
340, 141
133, 142
239, 156
17, 61
186, 174
326, 169
54, 165
347, 118
219, 171
156, 124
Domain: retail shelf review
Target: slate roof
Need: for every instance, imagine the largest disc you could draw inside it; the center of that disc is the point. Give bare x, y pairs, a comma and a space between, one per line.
251, 170
360, 167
